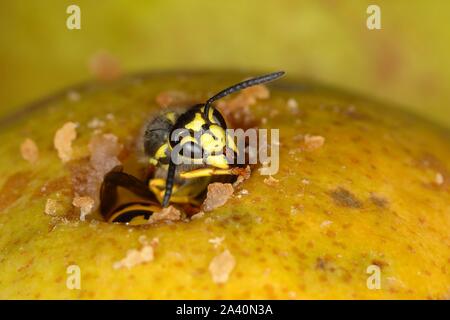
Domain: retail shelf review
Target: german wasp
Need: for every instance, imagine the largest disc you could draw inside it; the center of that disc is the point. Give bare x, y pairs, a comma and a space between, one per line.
188, 149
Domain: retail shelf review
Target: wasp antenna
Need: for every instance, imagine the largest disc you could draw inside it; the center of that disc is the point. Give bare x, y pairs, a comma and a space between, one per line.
242, 85
169, 183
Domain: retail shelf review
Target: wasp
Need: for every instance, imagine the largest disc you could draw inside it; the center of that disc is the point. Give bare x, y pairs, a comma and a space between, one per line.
188, 149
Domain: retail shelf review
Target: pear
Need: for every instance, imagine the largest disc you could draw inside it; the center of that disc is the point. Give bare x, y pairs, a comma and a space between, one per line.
359, 207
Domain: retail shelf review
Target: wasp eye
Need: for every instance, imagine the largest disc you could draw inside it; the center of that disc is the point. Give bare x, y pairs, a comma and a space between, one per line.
218, 118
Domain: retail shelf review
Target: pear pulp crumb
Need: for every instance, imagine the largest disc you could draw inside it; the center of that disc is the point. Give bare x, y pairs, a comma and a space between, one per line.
165, 215
292, 105
243, 174
217, 195
237, 109
63, 140
263, 169
439, 178
136, 257
198, 215
96, 123
313, 142
53, 207
73, 96
326, 223
87, 176
209, 220
85, 204
271, 181
221, 266
29, 151
171, 98
243, 192
104, 66
104, 150
216, 242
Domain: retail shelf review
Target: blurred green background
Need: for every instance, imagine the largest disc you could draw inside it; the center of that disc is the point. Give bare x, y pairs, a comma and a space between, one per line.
406, 62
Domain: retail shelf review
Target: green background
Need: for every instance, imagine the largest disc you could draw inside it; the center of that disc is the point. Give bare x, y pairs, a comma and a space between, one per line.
407, 62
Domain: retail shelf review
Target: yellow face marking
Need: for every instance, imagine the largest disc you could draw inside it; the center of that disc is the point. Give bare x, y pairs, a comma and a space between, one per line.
219, 161
189, 160
210, 115
205, 172
161, 152
171, 117
211, 144
231, 144
208, 143
218, 132
196, 123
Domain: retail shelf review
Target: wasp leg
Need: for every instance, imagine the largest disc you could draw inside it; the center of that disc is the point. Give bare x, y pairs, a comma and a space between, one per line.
116, 178
207, 172
170, 181
157, 186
